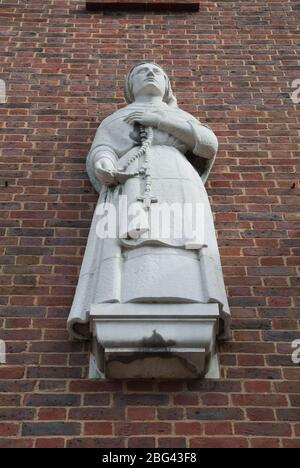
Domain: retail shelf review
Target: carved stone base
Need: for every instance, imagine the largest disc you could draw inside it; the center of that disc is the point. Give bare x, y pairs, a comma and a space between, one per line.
155, 341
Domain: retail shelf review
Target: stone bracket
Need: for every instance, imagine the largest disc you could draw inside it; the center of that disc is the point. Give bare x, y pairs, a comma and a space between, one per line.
162, 341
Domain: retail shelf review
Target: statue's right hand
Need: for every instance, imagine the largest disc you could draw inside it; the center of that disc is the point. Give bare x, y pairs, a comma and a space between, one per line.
105, 172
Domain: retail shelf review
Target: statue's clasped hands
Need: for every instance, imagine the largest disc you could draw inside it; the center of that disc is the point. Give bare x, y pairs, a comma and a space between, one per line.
106, 172
147, 119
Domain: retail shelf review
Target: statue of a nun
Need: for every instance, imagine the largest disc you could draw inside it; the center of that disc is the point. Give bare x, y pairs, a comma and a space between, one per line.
147, 158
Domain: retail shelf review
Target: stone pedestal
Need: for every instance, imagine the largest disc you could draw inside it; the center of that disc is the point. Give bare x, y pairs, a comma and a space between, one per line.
156, 341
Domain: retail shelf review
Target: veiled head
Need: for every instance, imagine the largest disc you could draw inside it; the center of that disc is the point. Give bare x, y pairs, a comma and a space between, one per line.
147, 78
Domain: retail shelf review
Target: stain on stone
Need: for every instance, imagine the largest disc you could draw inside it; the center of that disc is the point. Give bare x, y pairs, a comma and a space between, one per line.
135, 135
157, 341
144, 358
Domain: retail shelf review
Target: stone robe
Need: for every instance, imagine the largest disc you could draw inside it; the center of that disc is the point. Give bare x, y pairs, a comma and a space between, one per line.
152, 269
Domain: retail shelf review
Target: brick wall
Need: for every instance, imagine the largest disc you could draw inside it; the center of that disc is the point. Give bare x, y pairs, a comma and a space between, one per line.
232, 65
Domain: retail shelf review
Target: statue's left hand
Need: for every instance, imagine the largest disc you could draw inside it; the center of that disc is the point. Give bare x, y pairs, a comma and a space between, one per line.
147, 119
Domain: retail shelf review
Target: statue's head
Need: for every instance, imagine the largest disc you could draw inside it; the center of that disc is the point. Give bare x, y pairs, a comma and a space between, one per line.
148, 78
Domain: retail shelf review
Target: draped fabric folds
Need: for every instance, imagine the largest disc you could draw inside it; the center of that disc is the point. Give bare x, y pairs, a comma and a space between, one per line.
151, 270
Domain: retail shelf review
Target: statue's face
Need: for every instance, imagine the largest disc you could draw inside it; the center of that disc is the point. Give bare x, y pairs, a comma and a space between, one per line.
148, 79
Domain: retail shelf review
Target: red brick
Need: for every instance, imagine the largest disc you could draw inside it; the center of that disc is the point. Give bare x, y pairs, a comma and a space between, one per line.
172, 442
214, 399
186, 428
141, 442
246, 360
218, 428
98, 428
142, 428
9, 429
50, 428
186, 399
260, 414
54, 414
292, 374
13, 443
290, 414
263, 429
11, 372
291, 444
264, 443
139, 386
219, 442
50, 443
259, 400
96, 442
141, 414
65, 71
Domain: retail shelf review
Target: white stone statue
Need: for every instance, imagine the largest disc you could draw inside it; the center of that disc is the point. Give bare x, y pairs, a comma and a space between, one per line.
151, 154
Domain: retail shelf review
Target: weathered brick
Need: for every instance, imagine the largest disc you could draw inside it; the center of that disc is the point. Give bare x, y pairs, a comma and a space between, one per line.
103, 442
263, 429
64, 67
218, 428
188, 428
9, 429
172, 442
7, 372
264, 443
260, 414
291, 443
217, 399
98, 428
219, 442
16, 414
52, 400
292, 414
186, 399
143, 399
149, 428
102, 399
54, 442
259, 400
52, 414
96, 414
215, 414
141, 442
50, 429
13, 443
141, 414
170, 414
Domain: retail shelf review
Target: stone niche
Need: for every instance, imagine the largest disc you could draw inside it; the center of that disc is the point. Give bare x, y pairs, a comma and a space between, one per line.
160, 5
170, 341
